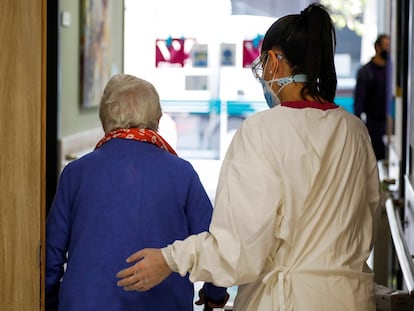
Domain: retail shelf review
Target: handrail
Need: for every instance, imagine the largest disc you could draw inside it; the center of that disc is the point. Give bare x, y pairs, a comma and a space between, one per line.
400, 245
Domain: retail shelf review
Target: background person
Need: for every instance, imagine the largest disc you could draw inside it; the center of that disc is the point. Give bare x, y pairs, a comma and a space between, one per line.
132, 190
370, 94
298, 193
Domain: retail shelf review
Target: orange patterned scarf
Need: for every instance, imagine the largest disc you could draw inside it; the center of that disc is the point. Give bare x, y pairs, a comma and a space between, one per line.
144, 135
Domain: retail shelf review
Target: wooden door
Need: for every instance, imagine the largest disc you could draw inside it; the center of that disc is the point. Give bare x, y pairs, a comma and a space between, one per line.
22, 141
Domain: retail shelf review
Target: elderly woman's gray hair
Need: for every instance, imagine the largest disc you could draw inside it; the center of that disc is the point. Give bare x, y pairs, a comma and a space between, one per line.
129, 102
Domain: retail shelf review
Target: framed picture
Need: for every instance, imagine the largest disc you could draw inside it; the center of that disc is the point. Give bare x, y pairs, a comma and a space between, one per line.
95, 50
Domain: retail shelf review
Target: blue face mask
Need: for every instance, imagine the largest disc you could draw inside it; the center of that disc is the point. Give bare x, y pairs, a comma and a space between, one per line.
269, 95
271, 98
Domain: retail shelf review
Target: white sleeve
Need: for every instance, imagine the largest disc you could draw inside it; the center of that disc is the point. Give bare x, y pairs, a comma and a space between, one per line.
374, 193
246, 219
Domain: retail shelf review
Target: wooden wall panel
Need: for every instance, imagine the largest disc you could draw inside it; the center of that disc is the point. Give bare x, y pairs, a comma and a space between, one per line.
22, 141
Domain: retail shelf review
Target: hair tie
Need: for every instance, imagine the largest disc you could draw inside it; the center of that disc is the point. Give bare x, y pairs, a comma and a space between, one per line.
304, 12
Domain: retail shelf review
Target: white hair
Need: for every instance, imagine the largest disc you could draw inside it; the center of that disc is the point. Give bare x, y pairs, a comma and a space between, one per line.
128, 102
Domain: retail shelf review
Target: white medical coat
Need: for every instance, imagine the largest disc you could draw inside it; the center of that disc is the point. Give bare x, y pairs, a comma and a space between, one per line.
294, 214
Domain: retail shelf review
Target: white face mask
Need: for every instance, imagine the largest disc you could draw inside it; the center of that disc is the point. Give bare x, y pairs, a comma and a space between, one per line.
271, 98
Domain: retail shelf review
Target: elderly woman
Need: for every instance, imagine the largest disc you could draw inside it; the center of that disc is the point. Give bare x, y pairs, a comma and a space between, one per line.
132, 190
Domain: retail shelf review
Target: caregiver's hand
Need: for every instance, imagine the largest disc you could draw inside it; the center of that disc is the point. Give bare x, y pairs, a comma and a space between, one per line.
149, 270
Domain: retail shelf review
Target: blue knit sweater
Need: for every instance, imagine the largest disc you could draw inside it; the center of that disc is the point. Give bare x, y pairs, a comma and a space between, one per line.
124, 196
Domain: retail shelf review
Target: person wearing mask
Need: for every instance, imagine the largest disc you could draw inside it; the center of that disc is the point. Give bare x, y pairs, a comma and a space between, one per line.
370, 95
298, 194
132, 190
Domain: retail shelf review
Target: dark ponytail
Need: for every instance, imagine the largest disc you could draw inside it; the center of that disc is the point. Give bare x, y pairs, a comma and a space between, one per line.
308, 42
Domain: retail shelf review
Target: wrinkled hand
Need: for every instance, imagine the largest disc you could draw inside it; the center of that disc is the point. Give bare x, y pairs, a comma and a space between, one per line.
209, 304
150, 270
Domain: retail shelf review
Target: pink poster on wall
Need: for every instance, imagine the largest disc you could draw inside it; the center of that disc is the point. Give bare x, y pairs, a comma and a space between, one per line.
173, 51
251, 50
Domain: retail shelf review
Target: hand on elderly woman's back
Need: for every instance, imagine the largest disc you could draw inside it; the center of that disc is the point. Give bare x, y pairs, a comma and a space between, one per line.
149, 270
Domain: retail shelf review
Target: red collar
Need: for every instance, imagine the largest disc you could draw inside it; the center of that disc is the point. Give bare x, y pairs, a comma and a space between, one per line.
300, 104
145, 135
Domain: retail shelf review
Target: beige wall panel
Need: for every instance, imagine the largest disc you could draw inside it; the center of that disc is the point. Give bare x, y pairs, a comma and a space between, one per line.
22, 106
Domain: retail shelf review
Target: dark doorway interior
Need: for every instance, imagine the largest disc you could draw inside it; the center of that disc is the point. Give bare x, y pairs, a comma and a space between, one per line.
52, 101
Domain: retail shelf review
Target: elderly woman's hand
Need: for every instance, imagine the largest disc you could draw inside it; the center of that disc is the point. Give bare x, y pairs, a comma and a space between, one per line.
150, 270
